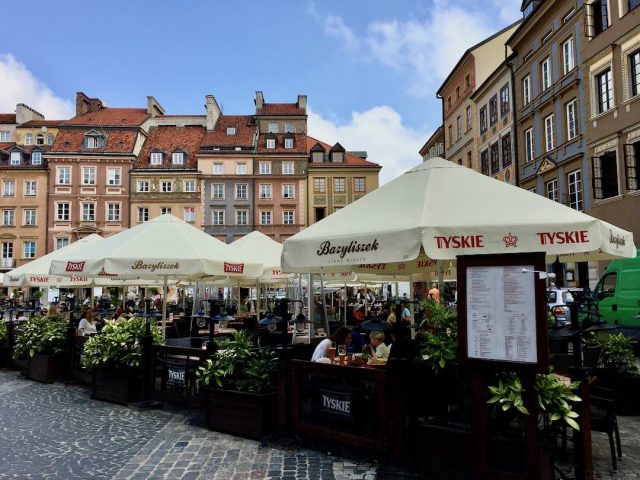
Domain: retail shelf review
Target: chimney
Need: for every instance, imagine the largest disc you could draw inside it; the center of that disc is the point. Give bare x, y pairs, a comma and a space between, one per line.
302, 102
213, 112
25, 113
259, 101
85, 104
154, 109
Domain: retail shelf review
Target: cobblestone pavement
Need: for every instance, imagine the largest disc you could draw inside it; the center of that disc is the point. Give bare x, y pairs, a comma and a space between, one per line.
58, 432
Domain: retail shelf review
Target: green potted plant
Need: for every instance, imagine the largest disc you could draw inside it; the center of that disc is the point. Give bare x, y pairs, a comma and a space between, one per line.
115, 358
239, 391
4, 345
43, 341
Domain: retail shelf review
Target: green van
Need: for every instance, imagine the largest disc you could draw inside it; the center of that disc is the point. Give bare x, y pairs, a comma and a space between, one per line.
618, 292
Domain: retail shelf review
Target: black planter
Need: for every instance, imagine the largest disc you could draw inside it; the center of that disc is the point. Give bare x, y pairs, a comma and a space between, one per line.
117, 385
43, 368
5, 354
628, 387
252, 415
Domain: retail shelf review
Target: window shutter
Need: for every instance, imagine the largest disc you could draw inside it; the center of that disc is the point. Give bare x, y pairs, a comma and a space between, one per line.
631, 166
596, 177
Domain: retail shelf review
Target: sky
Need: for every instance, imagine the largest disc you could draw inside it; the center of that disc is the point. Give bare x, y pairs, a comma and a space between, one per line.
370, 68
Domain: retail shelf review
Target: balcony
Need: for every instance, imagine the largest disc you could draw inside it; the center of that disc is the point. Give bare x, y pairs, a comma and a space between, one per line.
7, 263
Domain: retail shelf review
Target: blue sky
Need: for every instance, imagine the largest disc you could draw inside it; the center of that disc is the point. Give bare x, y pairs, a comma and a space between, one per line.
369, 67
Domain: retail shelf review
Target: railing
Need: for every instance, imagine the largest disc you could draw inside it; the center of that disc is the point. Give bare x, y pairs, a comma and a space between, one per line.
7, 262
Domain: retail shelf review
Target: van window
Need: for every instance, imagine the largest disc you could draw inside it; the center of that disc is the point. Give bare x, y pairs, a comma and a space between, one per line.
607, 286
630, 280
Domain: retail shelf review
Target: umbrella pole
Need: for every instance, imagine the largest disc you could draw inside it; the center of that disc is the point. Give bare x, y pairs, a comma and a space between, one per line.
164, 307
440, 280
366, 296
258, 300
324, 305
344, 307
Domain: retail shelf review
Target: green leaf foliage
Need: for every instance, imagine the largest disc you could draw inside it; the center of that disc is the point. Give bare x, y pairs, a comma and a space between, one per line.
41, 335
3, 332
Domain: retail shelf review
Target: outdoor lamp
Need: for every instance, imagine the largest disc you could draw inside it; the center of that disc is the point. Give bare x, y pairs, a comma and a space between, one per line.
376, 324
270, 319
200, 317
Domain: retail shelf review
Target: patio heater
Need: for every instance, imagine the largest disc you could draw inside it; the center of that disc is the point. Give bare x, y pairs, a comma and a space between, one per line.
147, 361
220, 316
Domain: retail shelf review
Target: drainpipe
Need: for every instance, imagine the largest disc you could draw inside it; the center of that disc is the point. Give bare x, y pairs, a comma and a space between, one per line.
444, 130
514, 116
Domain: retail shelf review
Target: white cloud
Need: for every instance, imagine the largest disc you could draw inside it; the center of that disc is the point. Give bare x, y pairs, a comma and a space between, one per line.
334, 26
19, 85
380, 132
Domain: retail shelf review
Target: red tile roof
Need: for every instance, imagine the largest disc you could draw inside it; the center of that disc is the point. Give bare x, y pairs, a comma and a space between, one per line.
350, 160
280, 109
167, 139
114, 117
244, 137
72, 140
299, 144
41, 123
7, 145
7, 118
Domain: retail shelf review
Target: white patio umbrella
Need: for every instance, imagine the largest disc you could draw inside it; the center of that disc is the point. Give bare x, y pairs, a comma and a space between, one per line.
444, 210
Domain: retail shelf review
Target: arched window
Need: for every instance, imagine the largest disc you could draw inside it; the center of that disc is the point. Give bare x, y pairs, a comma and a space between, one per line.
40, 139
50, 139
28, 139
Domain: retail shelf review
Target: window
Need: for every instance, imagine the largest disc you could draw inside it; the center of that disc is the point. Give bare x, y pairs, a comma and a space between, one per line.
8, 217
457, 93
449, 102
265, 190
113, 176
88, 212
9, 188
143, 214
156, 158
604, 90
317, 157
190, 186
605, 175
495, 158
288, 190
526, 89
469, 161
15, 158
64, 176
634, 64
545, 73
231, 130
450, 134
467, 81
166, 186
265, 218
29, 249
631, 156
338, 185
40, 139
4, 135
271, 143
113, 212
319, 185
30, 216
28, 139
287, 168
7, 250
287, 217
265, 168
289, 128
62, 212
217, 217
493, 110
600, 12
359, 184
506, 151
469, 118
143, 185
459, 127
288, 142
552, 190
241, 191
50, 139
572, 123
549, 139
241, 169
504, 100
88, 175
217, 191
36, 158
189, 214
574, 180
273, 128
94, 141
484, 162
177, 158
165, 210
242, 217
30, 188
217, 169
568, 61
632, 4
337, 157
483, 119
528, 145
61, 242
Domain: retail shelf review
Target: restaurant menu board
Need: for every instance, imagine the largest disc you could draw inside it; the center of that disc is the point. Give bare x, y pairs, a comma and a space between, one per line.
501, 314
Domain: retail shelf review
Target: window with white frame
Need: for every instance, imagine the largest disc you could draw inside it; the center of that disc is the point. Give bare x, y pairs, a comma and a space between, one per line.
8, 217
242, 217
63, 175
217, 191
36, 158
189, 186
526, 89
7, 250
30, 217
483, 119
165, 210
9, 188
572, 119
265, 168
217, 217
319, 185
94, 141
30, 188
265, 190
241, 169
337, 157
63, 210
634, 66
287, 168
317, 157
288, 190
288, 217
62, 242
359, 184
469, 117
271, 143
545, 73
177, 158
88, 175
241, 191
493, 110
40, 139
143, 214
273, 128
528, 145
265, 217
4, 135
29, 249
166, 186
28, 139
50, 139
459, 127
552, 190
88, 212
568, 59
231, 130
338, 185
113, 212
217, 169
288, 142
549, 137
143, 185
114, 176
15, 158
289, 127
156, 158
574, 182
189, 214
604, 90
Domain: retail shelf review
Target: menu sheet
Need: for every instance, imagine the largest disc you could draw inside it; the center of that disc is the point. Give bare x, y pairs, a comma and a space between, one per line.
501, 313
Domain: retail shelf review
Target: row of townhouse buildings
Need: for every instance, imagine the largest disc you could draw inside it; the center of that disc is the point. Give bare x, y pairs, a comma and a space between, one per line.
552, 104
107, 169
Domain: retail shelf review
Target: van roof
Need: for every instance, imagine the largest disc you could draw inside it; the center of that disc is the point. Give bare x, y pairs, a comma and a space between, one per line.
624, 262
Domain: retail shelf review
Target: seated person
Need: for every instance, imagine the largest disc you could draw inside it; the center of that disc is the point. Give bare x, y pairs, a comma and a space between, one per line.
87, 324
357, 342
406, 313
377, 348
402, 347
392, 315
342, 336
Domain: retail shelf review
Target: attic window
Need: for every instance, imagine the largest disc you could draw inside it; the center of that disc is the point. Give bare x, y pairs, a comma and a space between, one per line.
177, 158
317, 157
337, 157
288, 142
156, 158
94, 140
15, 158
231, 130
36, 158
40, 139
271, 143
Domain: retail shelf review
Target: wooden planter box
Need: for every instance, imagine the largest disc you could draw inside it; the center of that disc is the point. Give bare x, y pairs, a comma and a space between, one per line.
117, 386
43, 368
248, 414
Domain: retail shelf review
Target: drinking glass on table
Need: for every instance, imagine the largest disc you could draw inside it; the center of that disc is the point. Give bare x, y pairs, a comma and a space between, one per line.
342, 353
332, 352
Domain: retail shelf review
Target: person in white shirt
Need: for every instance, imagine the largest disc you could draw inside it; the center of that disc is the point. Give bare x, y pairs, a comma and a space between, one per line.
87, 324
378, 348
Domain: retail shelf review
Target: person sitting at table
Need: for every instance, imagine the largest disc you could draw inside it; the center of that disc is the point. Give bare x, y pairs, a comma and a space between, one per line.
87, 324
391, 318
377, 347
402, 347
342, 336
406, 313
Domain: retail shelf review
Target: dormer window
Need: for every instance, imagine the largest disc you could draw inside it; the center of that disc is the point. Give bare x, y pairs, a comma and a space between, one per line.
271, 141
317, 153
50, 139
177, 158
231, 130
15, 158
40, 139
94, 140
156, 158
337, 153
288, 143
28, 139
36, 158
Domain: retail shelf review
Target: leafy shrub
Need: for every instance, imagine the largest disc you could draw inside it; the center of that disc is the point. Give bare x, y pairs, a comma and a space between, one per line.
41, 335
3, 332
617, 353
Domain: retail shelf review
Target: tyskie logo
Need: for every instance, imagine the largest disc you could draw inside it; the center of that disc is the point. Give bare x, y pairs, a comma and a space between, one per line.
75, 266
233, 267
